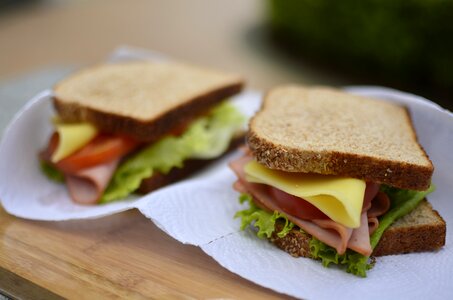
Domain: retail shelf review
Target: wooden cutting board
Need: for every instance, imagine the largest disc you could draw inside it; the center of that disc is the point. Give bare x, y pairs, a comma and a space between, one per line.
123, 256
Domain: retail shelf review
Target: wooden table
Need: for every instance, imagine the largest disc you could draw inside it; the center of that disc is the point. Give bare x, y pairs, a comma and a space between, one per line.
124, 255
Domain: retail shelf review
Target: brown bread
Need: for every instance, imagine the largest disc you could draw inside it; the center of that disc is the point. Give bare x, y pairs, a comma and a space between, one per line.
142, 99
327, 131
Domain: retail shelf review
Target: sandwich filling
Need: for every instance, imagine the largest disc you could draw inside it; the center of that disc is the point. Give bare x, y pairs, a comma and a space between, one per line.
344, 216
100, 168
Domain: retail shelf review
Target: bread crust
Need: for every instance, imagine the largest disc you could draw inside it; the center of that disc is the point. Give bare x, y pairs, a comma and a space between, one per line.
395, 240
416, 238
287, 155
296, 243
398, 174
146, 131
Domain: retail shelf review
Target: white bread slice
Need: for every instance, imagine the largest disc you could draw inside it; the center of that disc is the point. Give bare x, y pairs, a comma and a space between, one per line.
142, 99
327, 131
423, 229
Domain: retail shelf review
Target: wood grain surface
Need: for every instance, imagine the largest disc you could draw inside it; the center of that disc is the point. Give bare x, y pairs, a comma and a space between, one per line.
121, 256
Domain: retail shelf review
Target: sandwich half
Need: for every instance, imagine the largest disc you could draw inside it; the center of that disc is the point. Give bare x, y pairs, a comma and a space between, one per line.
127, 127
336, 177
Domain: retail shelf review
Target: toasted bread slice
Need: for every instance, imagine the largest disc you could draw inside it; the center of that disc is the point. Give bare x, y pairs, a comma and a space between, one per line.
327, 131
423, 229
142, 99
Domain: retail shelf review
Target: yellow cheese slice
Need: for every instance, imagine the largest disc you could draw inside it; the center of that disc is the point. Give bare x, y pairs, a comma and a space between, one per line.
72, 136
341, 199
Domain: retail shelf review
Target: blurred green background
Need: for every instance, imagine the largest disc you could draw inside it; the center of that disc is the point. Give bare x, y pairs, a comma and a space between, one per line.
400, 43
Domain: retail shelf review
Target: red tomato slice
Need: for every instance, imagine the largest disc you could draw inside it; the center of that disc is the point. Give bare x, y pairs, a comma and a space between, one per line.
103, 148
296, 206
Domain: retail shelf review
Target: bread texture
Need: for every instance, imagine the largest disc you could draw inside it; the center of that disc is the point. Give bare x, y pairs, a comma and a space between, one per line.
143, 100
191, 166
327, 131
423, 229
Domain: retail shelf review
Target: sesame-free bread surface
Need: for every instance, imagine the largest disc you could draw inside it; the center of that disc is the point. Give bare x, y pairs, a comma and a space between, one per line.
421, 230
327, 131
142, 99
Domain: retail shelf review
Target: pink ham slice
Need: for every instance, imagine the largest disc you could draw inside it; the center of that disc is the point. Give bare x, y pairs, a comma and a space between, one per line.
373, 224
380, 205
360, 238
326, 230
238, 186
87, 185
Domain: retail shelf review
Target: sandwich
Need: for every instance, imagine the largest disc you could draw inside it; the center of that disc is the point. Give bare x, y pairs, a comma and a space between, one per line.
137, 126
336, 177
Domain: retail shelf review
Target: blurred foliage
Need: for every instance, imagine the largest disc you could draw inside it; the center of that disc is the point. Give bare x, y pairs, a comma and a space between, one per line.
403, 40
6, 6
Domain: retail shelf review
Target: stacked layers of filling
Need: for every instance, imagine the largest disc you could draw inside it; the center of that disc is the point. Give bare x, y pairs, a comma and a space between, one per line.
339, 213
100, 168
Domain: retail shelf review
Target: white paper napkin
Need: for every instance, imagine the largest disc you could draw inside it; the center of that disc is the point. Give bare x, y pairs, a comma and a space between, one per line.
199, 211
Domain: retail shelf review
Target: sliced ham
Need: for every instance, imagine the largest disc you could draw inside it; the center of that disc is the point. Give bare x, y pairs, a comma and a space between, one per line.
360, 238
88, 171
238, 166
326, 230
380, 205
372, 189
331, 233
87, 185
375, 209
238, 186
373, 224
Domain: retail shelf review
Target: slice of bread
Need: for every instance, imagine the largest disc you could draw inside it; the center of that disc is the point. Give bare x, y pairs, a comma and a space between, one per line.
142, 99
423, 229
327, 131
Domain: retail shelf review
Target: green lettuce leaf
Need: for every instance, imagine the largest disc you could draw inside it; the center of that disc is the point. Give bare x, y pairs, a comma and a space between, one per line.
262, 220
206, 138
402, 203
219, 128
354, 263
51, 172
